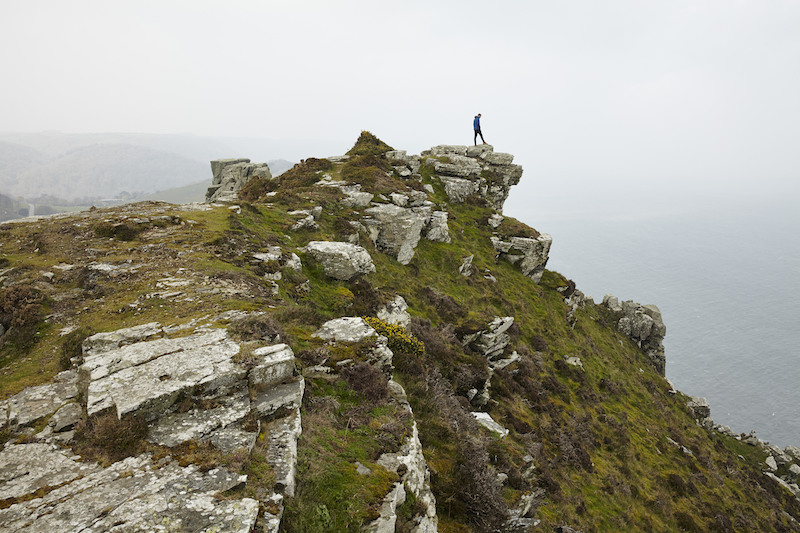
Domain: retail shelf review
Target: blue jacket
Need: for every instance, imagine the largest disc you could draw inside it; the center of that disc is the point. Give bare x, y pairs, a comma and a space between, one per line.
476, 124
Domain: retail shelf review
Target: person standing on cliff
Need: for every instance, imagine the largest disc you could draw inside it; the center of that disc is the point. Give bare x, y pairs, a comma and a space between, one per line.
476, 125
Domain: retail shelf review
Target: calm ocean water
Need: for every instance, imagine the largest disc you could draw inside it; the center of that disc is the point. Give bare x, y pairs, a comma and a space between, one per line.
726, 277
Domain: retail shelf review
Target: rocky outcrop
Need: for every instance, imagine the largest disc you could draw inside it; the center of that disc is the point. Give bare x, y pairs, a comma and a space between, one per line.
396, 230
395, 312
354, 196
492, 343
644, 325
474, 170
147, 378
341, 260
142, 372
135, 494
527, 253
782, 466
352, 329
230, 175
35, 403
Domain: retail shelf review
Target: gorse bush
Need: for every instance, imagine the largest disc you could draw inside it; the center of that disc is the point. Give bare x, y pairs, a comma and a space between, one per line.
399, 339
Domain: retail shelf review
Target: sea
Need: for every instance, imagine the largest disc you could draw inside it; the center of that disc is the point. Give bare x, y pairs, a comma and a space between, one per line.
723, 270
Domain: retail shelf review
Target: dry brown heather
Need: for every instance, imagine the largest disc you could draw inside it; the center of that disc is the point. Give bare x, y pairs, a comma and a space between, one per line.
605, 447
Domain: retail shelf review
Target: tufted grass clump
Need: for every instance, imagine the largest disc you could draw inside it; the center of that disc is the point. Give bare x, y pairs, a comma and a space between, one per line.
399, 339
118, 231
369, 144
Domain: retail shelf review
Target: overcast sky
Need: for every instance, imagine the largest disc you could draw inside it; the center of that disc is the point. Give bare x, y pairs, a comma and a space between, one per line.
643, 95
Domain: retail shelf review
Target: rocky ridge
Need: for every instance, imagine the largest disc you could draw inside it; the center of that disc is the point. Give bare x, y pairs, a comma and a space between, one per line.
292, 355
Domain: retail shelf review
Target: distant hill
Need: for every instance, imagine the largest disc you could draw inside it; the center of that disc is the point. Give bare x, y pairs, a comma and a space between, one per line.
115, 165
106, 170
194, 192
14, 159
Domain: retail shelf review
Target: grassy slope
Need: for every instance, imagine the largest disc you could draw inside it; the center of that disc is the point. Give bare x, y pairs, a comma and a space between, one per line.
600, 437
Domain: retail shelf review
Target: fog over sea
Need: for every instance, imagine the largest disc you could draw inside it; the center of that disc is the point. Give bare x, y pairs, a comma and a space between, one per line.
725, 272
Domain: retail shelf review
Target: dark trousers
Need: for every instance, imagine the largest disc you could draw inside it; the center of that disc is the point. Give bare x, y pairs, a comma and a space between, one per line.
478, 132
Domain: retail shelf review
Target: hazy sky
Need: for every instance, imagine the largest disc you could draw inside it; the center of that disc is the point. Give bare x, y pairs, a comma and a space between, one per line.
642, 95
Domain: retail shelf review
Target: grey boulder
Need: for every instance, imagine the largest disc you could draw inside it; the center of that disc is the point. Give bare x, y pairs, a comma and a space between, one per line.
341, 260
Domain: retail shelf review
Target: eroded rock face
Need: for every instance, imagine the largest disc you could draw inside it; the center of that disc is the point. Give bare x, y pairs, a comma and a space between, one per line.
341, 260
148, 377
529, 254
230, 175
134, 494
644, 325
140, 371
486, 420
34, 403
395, 312
474, 170
396, 230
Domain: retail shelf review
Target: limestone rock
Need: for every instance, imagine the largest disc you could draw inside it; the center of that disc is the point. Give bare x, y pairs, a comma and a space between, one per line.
793, 451
307, 222
410, 462
66, 417
612, 302
395, 312
354, 197
131, 495
287, 395
486, 420
436, 228
529, 254
698, 407
230, 175
459, 189
396, 230
446, 150
148, 377
341, 260
794, 472
102, 342
474, 170
495, 220
345, 329
463, 167
771, 463
644, 325
493, 340
26, 468
198, 424
282, 450
274, 364
356, 329
466, 266
34, 403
